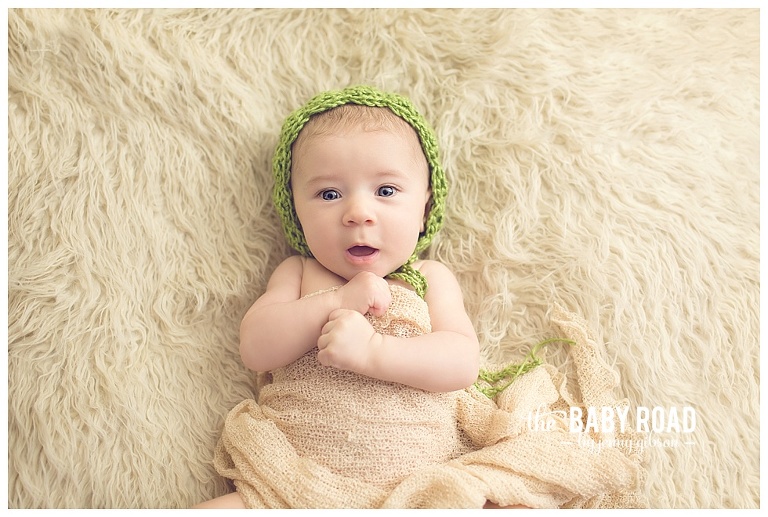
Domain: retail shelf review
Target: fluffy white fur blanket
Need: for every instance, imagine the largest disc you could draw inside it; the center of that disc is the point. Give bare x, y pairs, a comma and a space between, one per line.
604, 160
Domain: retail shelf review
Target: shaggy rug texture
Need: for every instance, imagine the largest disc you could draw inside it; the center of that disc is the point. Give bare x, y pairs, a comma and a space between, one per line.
606, 161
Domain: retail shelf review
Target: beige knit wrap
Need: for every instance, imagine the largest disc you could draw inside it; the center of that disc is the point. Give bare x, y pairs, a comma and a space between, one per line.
326, 438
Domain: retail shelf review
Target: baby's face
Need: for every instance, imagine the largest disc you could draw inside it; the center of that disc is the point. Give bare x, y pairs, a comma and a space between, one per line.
361, 197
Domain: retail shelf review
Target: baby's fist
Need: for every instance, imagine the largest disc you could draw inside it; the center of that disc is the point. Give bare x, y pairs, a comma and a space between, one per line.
345, 341
365, 293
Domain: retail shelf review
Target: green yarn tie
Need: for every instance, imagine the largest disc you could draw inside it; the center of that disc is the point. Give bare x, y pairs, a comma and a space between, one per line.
412, 276
491, 384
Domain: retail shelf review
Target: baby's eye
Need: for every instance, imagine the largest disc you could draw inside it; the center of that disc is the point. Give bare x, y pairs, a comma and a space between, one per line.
386, 191
329, 195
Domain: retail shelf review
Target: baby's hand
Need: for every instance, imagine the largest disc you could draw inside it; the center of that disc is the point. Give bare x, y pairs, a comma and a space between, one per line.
346, 340
366, 292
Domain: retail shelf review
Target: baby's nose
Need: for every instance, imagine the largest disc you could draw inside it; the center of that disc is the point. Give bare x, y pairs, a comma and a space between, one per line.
358, 212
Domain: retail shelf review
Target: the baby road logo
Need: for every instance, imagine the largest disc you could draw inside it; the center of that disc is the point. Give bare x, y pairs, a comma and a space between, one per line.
649, 421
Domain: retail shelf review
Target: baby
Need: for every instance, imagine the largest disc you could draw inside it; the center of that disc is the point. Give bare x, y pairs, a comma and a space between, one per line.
359, 199
370, 355
360, 186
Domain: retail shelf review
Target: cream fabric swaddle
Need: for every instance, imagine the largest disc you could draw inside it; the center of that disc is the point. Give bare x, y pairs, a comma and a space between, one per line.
321, 437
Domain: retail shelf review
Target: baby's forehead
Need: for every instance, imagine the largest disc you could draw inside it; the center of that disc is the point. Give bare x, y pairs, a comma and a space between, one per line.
350, 118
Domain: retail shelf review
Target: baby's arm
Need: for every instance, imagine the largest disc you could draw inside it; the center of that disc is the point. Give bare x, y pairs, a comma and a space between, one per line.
446, 359
281, 326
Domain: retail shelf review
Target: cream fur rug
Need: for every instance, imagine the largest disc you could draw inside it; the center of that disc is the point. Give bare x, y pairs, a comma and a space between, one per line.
603, 160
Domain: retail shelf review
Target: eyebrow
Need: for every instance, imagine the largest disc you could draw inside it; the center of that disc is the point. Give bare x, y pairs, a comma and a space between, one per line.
318, 180
383, 175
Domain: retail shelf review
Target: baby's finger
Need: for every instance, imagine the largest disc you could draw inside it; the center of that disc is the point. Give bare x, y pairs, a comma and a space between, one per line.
323, 341
322, 357
335, 314
377, 310
381, 303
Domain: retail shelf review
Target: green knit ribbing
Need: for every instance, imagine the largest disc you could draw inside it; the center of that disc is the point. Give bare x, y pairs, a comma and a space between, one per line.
491, 384
364, 96
408, 274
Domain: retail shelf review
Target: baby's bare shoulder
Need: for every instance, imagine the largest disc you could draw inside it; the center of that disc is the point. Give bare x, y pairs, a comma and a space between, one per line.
433, 269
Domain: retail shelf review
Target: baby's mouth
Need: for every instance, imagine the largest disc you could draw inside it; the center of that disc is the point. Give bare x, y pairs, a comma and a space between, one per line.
361, 251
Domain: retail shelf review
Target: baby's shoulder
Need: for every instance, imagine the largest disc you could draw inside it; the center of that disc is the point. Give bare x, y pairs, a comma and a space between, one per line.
291, 268
432, 269
441, 281
316, 278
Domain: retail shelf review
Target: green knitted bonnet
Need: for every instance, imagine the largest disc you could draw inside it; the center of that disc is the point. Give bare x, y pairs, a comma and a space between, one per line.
364, 96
